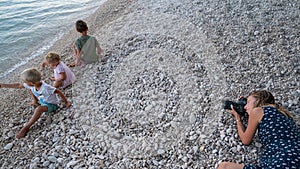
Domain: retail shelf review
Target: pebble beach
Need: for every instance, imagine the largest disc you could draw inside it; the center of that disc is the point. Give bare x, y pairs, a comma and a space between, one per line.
155, 98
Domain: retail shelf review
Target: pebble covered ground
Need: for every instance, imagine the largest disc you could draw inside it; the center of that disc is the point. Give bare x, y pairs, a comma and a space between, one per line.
155, 98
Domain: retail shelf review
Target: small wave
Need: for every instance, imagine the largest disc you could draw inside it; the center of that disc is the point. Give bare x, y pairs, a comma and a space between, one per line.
33, 55
26, 25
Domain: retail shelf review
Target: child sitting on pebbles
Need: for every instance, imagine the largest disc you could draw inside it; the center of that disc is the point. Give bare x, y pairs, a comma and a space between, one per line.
63, 76
86, 48
44, 95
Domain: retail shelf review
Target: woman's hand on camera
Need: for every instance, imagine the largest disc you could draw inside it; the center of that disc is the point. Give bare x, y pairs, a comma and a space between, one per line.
233, 112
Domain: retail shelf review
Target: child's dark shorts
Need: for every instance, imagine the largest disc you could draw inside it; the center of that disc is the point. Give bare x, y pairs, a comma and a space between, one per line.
51, 107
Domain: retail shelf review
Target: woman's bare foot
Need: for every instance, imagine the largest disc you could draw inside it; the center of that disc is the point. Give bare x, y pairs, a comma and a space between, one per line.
22, 132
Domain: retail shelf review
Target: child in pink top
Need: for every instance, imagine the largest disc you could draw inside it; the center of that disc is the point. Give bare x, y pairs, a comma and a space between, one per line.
63, 76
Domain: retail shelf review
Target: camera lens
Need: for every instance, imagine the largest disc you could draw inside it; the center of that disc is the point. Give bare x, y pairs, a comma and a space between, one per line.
227, 104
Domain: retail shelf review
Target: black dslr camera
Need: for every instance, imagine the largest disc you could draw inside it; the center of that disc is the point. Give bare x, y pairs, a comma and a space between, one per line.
238, 106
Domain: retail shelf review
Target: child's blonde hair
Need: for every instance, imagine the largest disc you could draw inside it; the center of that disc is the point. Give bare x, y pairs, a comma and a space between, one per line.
52, 57
31, 75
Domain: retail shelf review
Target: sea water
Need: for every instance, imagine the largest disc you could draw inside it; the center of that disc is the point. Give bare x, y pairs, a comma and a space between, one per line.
28, 28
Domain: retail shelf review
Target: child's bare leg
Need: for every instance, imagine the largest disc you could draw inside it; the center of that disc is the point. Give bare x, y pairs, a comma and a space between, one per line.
57, 84
37, 114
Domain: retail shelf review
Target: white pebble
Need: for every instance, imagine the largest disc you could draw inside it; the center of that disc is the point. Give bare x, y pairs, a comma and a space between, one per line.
8, 146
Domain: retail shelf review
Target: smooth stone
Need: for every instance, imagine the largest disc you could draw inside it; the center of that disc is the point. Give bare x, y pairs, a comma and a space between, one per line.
52, 159
160, 151
193, 118
46, 163
8, 146
72, 163
10, 134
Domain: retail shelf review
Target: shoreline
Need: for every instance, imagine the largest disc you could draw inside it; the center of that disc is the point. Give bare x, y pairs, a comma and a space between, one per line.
64, 23
61, 46
154, 100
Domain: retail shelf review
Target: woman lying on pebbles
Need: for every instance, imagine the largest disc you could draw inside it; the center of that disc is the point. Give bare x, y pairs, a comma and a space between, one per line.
276, 129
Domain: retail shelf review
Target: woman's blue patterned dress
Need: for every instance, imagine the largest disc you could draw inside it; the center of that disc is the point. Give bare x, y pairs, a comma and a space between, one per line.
281, 139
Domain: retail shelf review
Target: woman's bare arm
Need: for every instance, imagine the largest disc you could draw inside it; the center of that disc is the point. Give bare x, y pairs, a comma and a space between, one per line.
246, 134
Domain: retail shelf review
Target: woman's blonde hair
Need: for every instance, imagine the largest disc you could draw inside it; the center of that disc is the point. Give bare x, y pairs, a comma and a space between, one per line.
265, 98
31, 75
52, 57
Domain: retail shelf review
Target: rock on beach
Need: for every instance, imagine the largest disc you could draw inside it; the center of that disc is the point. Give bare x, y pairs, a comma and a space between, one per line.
154, 100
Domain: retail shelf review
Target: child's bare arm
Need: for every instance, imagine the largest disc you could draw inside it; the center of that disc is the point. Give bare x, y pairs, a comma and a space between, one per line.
35, 99
68, 104
44, 64
77, 56
62, 76
99, 50
12, 85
